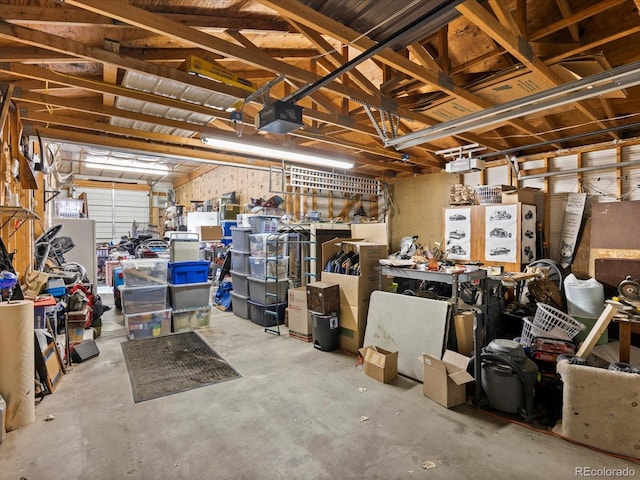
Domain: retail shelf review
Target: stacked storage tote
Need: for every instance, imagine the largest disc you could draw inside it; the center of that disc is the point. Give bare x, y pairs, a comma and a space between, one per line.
269, 269
144, 298
240, 271
190, 294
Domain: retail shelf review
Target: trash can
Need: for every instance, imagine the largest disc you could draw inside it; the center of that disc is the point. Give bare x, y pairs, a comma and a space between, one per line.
325, 331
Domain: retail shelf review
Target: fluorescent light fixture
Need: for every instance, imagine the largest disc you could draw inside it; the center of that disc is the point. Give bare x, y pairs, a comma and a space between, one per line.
117, 168
240, 146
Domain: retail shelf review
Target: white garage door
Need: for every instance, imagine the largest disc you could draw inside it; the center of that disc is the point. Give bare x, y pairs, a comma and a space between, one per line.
115, 211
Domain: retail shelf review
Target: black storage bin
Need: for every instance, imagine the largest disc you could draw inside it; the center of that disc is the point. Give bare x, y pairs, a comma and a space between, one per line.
259, 317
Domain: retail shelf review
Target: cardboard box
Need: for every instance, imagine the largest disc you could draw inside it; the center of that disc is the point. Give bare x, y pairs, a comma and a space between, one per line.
355, 288
210, 232
463, 322
297, 296
299, 321
353, 321
379, 363
323, 297
522, 195
445, 379
371, 232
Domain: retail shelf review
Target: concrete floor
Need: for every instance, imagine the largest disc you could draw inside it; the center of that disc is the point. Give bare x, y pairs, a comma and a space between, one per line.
295, 414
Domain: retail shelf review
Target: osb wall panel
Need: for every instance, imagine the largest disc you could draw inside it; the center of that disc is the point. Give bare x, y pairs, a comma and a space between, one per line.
212, 185
419, 203
250, 184
614, 225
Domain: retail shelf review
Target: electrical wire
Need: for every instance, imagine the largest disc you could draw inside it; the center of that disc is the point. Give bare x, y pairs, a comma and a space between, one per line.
561, 129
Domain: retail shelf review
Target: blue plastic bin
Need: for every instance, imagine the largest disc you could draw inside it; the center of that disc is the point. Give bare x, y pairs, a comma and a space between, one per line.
188, 272
227, 225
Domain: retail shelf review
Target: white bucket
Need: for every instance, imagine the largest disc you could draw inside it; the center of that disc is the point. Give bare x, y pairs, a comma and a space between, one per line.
585, 298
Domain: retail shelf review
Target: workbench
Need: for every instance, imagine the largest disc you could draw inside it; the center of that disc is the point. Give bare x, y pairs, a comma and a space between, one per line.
455, 280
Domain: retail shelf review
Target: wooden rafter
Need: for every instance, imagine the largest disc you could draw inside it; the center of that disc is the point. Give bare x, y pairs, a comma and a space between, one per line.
520, 49
307, 16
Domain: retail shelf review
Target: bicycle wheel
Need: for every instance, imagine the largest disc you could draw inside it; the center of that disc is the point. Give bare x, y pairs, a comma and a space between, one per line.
556, 272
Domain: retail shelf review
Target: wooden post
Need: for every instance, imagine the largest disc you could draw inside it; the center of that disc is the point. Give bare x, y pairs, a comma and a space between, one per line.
598, 329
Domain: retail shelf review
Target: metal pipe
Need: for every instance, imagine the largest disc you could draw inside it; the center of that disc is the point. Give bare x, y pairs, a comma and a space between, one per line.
617, 79
559, 140
580, 170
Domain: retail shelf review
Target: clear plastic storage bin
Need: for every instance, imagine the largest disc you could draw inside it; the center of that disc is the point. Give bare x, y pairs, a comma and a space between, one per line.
144, 272
191, 319
263, 267
264, 224
143, 299
240, 305
148, 324
268, 245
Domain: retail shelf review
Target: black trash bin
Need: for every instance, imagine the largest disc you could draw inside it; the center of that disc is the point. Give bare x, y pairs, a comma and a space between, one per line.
325, 331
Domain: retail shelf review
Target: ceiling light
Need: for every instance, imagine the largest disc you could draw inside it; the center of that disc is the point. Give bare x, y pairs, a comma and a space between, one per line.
117, 168
294, 156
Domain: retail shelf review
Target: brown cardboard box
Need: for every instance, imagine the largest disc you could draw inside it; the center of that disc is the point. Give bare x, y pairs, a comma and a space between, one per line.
445, 379
355, 290
379, 363
299, 322
210, 232
372, 232
323, 297
463, 322
353, 321
297, 296
522, 195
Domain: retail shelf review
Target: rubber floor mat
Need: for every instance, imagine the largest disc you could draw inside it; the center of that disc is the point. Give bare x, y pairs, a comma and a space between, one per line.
173, 363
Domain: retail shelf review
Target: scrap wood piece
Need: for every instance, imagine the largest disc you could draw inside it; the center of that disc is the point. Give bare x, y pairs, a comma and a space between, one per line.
598, 329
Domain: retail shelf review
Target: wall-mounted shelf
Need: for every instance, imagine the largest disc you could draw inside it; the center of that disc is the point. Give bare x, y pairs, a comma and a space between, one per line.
18, 213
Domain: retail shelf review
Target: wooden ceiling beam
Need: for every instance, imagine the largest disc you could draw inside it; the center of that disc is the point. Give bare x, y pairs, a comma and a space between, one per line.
62, 15
335, 58
34, 55
575, 18
319, 97
38, 73
594, 44
155, 23
174, 55
115, 142
82, 105
324, 25
504, 16
520, 49
521, 17
67, 46
120, 137
95, 108
566, 11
